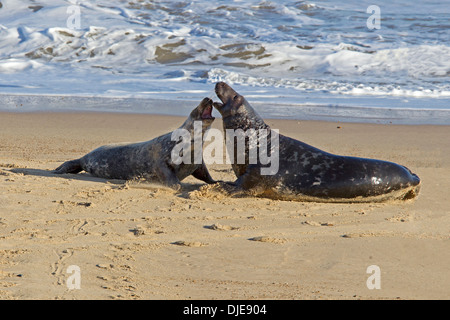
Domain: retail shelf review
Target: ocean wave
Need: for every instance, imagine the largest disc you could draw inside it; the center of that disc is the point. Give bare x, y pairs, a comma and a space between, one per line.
136, 47
335, 87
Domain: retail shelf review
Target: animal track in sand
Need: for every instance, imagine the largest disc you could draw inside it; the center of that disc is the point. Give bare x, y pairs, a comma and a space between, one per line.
85, 226
118, 272
57, 267
78, 227
7, 256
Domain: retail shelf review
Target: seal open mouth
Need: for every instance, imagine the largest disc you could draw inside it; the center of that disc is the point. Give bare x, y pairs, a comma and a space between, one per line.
207, 112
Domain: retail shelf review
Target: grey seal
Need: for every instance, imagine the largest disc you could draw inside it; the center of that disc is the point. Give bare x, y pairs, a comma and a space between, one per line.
150, 160
306, 173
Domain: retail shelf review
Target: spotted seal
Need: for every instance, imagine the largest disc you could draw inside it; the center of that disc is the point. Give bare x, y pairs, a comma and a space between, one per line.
151, 160
307, 173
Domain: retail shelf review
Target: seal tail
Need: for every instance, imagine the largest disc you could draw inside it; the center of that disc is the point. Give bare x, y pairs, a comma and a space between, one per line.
72, 166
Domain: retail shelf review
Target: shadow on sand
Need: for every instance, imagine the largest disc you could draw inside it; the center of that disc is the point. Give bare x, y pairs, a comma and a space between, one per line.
50, 174
186, 188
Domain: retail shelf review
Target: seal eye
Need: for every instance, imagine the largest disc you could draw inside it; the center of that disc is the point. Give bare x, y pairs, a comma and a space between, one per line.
235, 97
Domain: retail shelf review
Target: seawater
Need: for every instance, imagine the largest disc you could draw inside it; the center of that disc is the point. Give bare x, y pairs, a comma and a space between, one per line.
291, 59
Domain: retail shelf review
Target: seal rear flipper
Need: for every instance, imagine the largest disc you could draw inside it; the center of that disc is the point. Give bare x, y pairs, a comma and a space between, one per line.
72, 166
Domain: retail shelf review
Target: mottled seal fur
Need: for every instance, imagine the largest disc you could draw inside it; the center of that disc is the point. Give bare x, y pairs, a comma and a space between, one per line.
306, 173
150, 160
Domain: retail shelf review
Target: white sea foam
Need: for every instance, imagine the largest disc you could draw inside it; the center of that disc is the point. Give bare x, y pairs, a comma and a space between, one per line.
287, 52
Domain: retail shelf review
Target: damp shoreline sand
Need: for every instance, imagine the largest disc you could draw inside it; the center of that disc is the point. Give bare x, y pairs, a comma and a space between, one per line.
142, 241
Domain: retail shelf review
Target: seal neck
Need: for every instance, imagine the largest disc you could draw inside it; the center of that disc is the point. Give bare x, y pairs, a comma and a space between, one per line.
191, 125
246, 119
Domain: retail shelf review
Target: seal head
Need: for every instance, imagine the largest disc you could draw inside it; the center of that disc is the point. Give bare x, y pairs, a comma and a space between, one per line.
235, 110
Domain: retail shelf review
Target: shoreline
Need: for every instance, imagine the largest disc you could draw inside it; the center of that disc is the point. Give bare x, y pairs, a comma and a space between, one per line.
315, 109
136, 241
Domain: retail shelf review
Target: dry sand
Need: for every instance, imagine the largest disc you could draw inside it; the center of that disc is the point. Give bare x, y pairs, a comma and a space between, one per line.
145, 242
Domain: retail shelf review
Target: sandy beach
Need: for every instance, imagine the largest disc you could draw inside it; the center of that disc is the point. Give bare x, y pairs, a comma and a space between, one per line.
141, 241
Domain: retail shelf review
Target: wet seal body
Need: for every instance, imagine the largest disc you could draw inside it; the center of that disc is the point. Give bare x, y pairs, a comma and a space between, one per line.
306, 173
150, 160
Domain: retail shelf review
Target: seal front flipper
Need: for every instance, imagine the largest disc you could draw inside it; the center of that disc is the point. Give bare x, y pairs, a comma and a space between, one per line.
72, 166
252, 182
244, 185
232, 189
167, 176
202, 173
